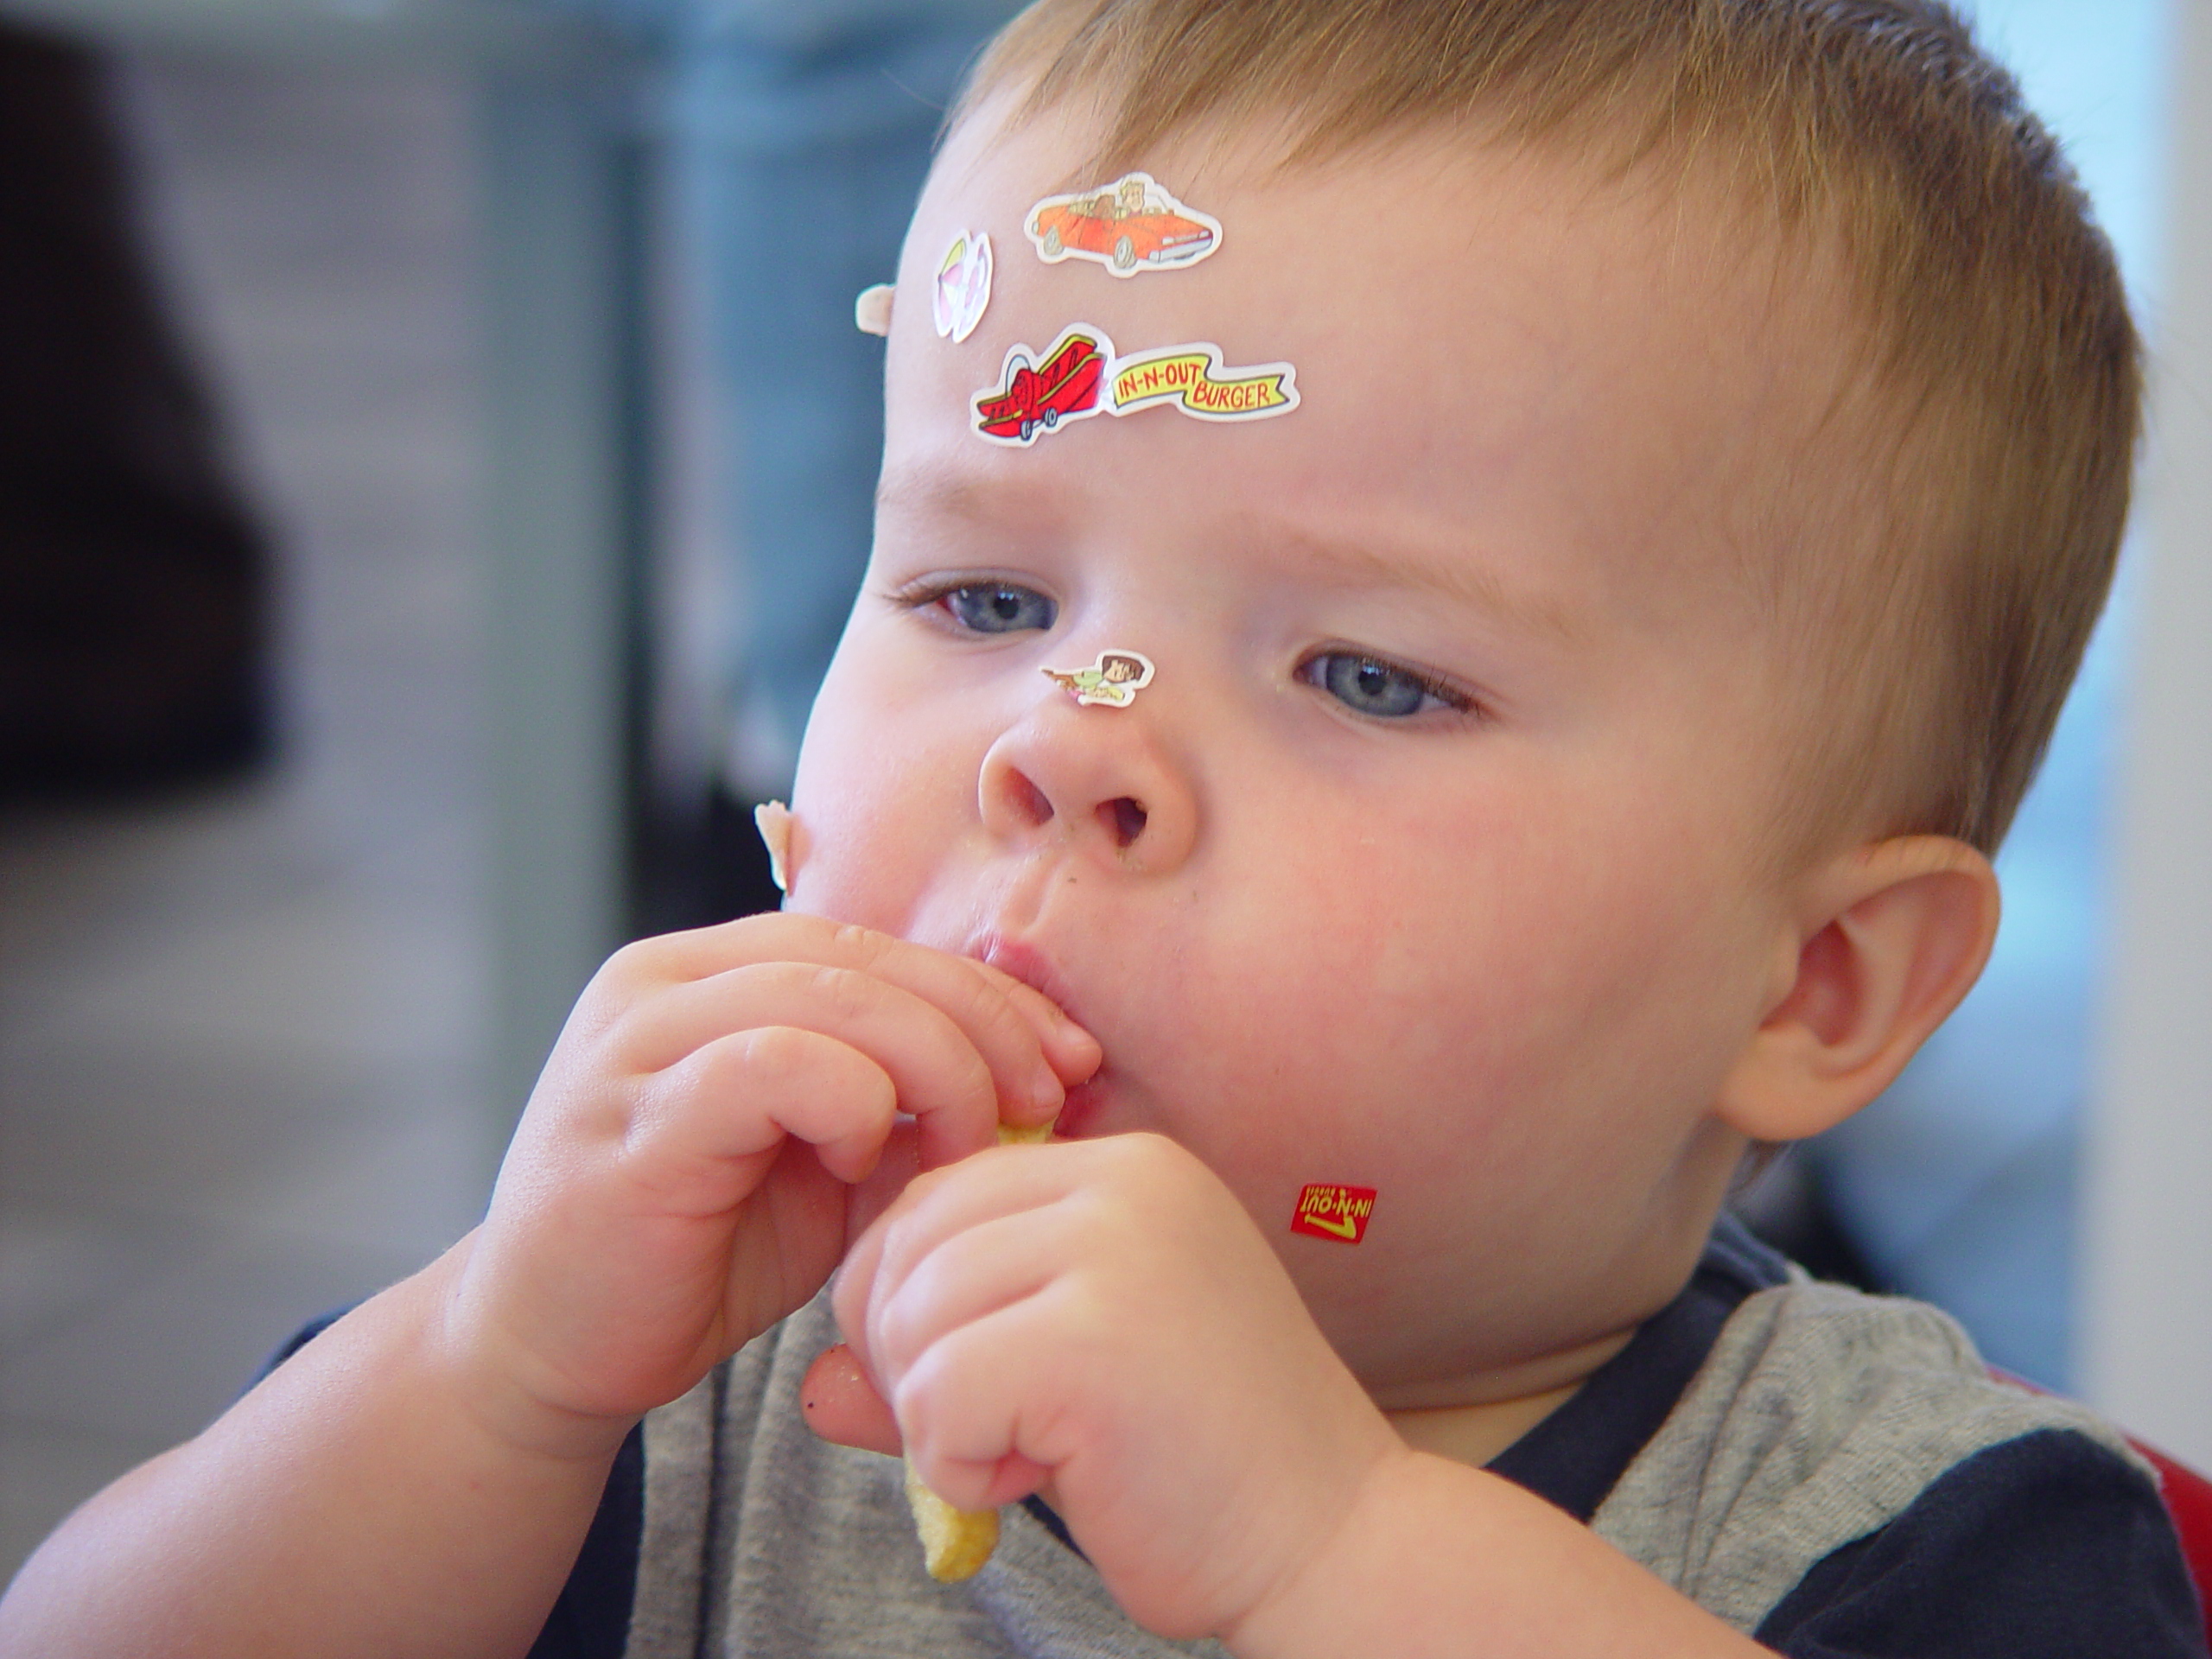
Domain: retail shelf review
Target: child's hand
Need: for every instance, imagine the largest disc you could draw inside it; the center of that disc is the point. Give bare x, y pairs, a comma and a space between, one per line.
686, 1173
1102, 1319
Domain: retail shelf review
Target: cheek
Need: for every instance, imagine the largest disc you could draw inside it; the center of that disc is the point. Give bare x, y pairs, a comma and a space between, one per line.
1447, 996
886, 783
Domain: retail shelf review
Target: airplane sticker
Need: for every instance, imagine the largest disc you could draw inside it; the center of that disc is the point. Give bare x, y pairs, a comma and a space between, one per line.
1031, 400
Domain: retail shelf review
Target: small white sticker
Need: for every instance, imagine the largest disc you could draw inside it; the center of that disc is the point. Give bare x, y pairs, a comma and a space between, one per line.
1112, 681
963, 292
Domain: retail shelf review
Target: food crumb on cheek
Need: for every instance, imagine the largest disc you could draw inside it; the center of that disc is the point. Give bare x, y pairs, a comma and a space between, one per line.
774, 821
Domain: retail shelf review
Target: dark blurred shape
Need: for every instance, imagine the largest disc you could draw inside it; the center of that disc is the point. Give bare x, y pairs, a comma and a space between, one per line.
133, 583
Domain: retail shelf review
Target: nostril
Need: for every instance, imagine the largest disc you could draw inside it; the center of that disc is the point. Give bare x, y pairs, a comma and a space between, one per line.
1029, 800
1124, 819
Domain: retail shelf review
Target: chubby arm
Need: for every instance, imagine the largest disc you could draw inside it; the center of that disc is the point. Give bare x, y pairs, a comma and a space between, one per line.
1438, 1558
723, 1112
1102, 1321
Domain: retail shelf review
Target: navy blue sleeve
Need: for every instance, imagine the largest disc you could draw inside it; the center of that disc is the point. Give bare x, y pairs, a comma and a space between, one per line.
2043, 1546
591, 1619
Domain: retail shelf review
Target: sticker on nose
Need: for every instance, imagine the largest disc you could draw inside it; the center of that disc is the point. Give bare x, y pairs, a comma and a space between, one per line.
1112, 681
1328, 1210
1131, 225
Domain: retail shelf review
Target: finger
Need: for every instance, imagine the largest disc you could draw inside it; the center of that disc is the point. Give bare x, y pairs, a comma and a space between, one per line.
941, 1078
841, 1404
734, 1100
976, 1414
965, 1277
900, 1163
1005, 1040
1001, 1182
1074, 1053
1029, 1045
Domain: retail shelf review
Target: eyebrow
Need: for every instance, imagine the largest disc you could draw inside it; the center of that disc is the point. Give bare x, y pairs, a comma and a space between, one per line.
1427, 569
1422, 566
956, 496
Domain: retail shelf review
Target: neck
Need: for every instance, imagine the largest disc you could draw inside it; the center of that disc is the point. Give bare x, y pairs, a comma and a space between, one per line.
1476, 1432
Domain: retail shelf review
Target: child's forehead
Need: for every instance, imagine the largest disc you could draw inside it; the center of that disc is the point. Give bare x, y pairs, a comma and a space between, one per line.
1494, 336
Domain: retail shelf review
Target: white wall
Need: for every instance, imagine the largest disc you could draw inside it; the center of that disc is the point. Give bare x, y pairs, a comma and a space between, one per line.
2147, 1272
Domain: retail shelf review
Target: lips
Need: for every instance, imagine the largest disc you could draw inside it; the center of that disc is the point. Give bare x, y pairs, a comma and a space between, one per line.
1031, 966
1017, 960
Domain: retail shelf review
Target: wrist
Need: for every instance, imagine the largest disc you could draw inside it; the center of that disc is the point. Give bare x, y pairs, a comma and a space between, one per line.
486, 1375
1304, 1609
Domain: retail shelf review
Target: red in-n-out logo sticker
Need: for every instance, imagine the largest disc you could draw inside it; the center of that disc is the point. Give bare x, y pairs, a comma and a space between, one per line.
1328, 1210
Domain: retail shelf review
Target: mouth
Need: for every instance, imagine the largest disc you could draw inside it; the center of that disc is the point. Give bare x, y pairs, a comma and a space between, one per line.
1018, 960
1031, 966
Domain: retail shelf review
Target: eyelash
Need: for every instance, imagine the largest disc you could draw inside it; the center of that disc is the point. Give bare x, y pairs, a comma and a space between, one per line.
1453, 697
928, 592
925, 592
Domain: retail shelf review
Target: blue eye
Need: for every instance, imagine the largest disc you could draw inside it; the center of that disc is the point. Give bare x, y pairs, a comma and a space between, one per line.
998, 608
1381, 690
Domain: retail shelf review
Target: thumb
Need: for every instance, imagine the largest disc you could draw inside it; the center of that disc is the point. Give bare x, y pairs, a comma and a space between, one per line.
842, 1405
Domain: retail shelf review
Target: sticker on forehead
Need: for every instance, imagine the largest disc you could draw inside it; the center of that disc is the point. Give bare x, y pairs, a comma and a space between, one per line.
1129, 226
1192, 379
964, 286
1328, 1210
1038, 394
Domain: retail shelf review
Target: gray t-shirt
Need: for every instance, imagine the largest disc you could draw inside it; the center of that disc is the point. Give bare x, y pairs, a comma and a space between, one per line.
1814, 1419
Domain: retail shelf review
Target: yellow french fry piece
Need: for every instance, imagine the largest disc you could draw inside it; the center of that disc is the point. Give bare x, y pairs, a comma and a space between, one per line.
955, 1543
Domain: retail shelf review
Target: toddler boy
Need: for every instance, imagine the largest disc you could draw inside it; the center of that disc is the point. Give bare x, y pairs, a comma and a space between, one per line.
1655, 467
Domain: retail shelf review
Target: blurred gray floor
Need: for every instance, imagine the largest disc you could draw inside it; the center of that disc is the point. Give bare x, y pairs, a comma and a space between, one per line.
240, 1035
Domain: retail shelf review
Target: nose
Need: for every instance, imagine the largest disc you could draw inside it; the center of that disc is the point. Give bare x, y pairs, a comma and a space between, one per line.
1096, 778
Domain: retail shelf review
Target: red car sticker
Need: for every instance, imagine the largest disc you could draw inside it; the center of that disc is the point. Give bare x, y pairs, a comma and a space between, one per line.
1036, 395
1131, 225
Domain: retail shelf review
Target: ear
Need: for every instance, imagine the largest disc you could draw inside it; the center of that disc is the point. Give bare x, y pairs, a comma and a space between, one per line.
1887, 941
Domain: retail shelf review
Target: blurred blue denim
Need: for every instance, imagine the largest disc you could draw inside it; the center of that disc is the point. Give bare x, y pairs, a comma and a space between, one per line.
803, 131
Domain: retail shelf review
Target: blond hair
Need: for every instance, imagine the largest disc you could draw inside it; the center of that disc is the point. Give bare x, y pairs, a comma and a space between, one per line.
1999, 342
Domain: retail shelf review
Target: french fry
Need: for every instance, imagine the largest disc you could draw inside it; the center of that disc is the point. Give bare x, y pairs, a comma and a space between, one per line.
956, 1542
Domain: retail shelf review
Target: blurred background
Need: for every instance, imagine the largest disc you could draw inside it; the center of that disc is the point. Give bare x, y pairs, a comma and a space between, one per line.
437, 460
